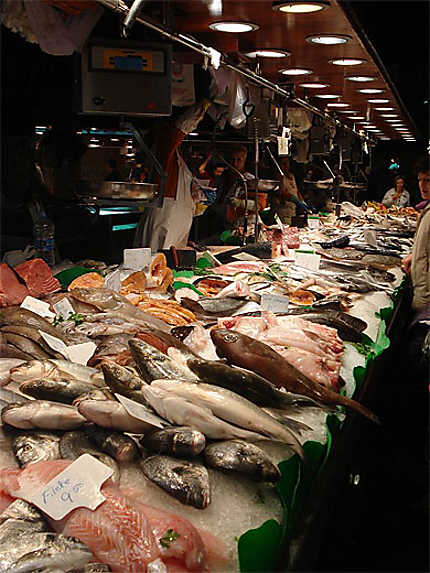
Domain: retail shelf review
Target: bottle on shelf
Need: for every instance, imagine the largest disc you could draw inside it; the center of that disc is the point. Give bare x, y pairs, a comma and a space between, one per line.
44, 240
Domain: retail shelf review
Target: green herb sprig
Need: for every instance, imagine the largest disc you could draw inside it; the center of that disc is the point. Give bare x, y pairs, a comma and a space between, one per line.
169, 537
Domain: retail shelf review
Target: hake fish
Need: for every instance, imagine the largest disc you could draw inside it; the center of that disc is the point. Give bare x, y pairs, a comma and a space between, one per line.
244, 351
187, 481
242, 457
64, 391
32, 447
180, 441
42, 415
246, 383
26, 544
56, 370
153, 364
181, 412
231, 408
74, 444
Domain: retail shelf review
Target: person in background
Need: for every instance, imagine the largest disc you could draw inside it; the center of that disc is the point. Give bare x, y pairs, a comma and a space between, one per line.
397, 196
212, 170
286, 201
418, 262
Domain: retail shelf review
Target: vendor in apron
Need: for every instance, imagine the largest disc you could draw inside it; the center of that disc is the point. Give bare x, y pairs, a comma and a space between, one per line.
161, 227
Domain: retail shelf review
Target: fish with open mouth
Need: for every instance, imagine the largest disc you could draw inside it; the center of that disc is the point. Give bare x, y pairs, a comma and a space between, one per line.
179, 441
27, 545
153, 364
32, 447
231, 408
42, 415
242, 457
73, 444
247, 352
186, 481
246, 383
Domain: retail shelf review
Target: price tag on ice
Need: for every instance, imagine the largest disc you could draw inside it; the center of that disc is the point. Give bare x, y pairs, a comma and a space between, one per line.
64, 308
137, 259
77, 486
308, 261
37, 306
274, 302
140, 412
81, 353
54, 342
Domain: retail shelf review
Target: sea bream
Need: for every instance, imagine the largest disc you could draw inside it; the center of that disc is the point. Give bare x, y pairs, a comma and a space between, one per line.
179, 441
231, 408
252, 354
116, 444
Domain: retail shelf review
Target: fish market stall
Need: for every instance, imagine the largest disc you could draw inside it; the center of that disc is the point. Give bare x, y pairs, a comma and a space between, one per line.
211, 403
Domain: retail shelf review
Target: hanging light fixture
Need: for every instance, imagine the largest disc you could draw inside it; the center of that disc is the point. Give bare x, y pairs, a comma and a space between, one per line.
233, 27
347, 61
327, 96
328, 39
269, 53
338, 104
360, 78
295, 71
300, 6
313, 85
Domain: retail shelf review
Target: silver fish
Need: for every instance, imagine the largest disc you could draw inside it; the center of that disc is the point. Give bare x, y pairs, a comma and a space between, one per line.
42, 415
74, 444
56, 370
187, 481
64, 391
95, 394
112, 415
153, 364
179, 441
32, 447
6, 364
26, 544
181, 412
121, 447
242, 457
232, 408
121, 380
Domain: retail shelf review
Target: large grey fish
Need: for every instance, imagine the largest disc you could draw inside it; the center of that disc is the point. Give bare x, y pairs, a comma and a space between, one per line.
74, 444
210, 307
42, 415
32, 334
64, 391
232, 408
32, 447
26, 545
56, 370
6, 364
112, 415
349, 327
181, 412
153, 364
26, 345
95, 394
21, 316
122, 381
111, 345
242, 457
246, 383
180, 441
187, 481
120, 446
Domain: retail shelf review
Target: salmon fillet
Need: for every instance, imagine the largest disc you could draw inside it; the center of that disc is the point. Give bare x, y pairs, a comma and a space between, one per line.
38, 277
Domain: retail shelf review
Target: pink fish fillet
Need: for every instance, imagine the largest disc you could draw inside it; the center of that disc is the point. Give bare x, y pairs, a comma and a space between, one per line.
314, 367
117, 532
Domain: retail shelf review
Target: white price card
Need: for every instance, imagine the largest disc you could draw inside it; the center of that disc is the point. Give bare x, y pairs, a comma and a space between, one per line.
37, 306
308, 261
55, 343
141, 412
274, 302
77, 486
137, 259
63, 308
81, 353
283, 146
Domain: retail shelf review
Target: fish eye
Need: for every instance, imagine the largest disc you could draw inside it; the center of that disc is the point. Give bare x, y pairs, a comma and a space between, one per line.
230, 337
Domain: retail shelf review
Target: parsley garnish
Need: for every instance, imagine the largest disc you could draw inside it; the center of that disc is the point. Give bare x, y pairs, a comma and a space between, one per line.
169, 537
76, 317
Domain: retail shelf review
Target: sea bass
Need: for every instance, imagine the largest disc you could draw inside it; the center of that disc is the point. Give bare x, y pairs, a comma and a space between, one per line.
122, 381
249, 353
231, 408
64, 391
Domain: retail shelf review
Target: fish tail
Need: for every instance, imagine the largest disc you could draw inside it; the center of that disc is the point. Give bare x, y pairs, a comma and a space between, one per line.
354, 405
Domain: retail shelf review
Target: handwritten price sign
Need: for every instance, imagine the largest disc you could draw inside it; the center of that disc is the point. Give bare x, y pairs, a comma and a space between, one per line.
77, 486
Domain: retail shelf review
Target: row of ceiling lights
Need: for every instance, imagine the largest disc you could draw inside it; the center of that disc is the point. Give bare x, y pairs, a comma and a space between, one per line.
301, 7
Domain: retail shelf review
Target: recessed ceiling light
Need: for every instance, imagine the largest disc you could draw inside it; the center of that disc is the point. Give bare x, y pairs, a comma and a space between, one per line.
269, 53
356, 117
384, 108
295, 71
393, 121
347, 111
338, 104
299, 6
329, 39
370, 91
389, 115
313, 85
360, 78
233, 27
378, 100
326, 96
347, 61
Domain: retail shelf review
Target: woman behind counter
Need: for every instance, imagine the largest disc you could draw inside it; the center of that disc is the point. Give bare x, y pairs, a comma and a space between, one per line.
397, 196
